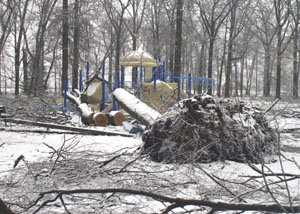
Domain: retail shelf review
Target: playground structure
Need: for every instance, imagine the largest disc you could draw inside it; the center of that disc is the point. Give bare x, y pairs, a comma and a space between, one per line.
153, 85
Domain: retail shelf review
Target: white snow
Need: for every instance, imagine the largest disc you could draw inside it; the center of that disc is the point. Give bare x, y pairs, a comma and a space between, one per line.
92, 88
32, 146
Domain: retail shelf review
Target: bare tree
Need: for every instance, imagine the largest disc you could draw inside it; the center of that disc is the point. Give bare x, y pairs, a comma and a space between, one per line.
213, 13
36, 82
6, 21
22, 11
65, 44
115, 12
76, 37
170, 9
136, 12
234, 5
240, 9
295, 13
282, 14
264, 30
178, 39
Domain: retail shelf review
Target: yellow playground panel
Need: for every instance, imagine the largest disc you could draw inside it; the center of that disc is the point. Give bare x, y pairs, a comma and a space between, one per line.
165, 96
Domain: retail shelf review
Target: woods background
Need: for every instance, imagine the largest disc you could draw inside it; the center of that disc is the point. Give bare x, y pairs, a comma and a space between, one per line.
250, 47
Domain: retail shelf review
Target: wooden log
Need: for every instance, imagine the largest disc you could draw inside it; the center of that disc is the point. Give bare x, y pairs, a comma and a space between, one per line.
85, 112
115, 118
100, 119
135, 107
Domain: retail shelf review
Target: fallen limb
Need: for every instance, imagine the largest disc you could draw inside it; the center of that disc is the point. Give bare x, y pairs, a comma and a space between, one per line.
290, 130
85, 112
135, 107
69, 128
273, 104
180, 202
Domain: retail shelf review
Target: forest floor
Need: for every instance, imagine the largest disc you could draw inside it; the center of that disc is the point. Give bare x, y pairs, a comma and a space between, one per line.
34, 160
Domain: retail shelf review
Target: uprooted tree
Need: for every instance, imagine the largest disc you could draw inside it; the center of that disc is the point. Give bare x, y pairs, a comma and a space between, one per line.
204, 129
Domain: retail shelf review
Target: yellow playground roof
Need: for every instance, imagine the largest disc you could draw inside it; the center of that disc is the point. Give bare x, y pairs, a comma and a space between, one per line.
139, 58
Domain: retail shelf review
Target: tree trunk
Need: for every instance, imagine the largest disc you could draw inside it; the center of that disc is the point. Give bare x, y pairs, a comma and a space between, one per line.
210, 59
278, 63
135, 107
229, 55
115, 118
117, 57
178, 39
76, 54
85, 112
18, 48
295, 64
65, 45
25, 72
219, 87
242, 76
133, 70
100, 119
267, 71
201, 67
236, 86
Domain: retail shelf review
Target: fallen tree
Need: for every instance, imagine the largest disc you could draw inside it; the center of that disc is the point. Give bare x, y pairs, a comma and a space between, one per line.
135, 107
204, 129
174, 202
85, 112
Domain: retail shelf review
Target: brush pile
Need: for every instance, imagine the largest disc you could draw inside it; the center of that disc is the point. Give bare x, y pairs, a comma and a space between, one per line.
205, 129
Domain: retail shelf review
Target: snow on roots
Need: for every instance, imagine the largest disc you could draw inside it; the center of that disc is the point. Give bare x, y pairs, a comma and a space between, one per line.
204, 129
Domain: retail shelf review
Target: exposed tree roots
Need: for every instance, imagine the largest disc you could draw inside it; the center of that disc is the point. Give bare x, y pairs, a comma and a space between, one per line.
204, 129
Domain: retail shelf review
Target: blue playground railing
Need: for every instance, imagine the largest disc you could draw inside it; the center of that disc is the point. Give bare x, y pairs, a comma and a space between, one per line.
187, 84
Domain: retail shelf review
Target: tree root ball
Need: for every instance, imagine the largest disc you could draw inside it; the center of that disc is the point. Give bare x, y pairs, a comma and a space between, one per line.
205, 129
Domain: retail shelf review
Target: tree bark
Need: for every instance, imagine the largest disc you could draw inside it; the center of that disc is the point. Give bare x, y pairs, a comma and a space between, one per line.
76, 54
178, 39
25, 72
295, 64
115, 118
242, 76
230, 47
267, 71
18, 48
65, 45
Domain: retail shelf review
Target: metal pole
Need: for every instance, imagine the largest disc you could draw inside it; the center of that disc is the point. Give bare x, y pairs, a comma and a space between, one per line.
164, 73
171, 76
154, 79
80, 80
87, 77
122, 76
190, 85
141, 78
103, 87
115, 86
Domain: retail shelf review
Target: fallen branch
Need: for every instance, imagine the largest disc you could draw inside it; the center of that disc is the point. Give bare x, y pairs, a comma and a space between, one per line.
85, 112
69, 128
269, 109
180, 202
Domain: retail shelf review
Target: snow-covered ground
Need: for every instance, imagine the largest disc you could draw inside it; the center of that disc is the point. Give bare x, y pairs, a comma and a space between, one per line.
59, 160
